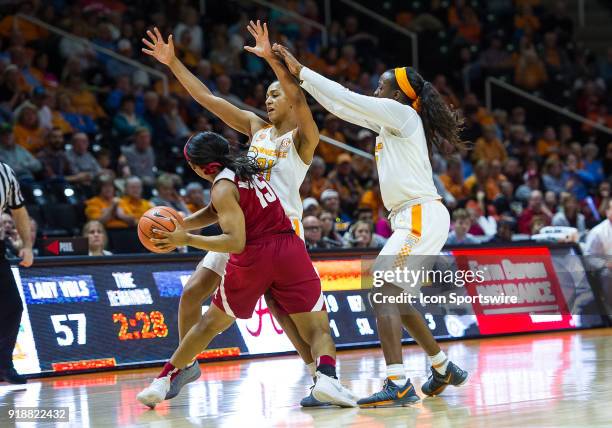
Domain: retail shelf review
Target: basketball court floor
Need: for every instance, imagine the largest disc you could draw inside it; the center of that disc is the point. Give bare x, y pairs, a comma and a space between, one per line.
551, 379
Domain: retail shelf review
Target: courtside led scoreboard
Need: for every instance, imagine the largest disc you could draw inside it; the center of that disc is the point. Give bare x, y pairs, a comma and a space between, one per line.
92, 313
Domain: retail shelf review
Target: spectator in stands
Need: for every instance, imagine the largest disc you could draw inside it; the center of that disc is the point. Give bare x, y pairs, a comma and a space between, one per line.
204, 73
461, 224
495, 61
536, 208
122, 88
116, 68
224, 86
569, 215
513, 171
330, 234
97, 238
139, 156
174, 124
189, 24
27, 131
13, 90
331, 129
56, 167
488, 147
592, 164
347, 66
445, 90
78, 122
132, 206
257, 98
81, 49
578, 180
551, 200
548, 143
318, 181
505, 230
361, 235
126, 121
103, 207
504, 202
481, 180
23, 162
532, 183
313, 236
167, 195
344, 180
83, 99
311, 207
554, 178
195, 198
81, 160
530, 72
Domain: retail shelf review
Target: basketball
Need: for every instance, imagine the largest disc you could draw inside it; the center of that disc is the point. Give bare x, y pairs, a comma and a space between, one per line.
156, 218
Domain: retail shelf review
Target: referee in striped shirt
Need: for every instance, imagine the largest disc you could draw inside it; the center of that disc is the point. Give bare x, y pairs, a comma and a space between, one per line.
10, 301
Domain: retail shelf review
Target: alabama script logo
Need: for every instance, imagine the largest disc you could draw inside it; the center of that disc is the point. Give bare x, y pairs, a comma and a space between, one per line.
261, 312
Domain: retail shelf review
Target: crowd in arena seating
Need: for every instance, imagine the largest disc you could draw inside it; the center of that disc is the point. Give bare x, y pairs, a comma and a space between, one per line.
94, 138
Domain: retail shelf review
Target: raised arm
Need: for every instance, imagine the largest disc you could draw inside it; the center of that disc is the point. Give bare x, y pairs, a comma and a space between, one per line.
368, 111
306, 136
243, 121
231, 220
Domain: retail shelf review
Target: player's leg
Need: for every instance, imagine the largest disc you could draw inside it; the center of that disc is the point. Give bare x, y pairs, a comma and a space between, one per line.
290, 329
201, 285
198, 338
313, 327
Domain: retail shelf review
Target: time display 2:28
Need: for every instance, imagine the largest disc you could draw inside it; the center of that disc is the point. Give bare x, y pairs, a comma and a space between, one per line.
142, 325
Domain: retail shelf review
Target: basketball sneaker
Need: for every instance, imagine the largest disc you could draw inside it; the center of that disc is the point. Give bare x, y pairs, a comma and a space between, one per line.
438, 382
391, 395
310, 401
154, 393
187, 375
329, 390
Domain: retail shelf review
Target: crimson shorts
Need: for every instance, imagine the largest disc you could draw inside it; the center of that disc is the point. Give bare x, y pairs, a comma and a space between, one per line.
278, 265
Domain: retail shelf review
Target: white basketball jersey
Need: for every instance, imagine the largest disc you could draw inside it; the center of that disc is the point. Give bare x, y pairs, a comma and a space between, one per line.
287, 170
404, 169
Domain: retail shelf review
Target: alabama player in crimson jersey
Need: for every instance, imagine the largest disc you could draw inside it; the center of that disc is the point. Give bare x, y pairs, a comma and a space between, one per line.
257, 234
284, 144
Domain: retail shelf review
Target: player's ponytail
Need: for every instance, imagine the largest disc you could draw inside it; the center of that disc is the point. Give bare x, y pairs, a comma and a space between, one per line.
210, 151
440, 123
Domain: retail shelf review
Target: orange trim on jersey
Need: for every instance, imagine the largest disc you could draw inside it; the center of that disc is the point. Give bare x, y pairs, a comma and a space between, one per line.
417, 220
296, 226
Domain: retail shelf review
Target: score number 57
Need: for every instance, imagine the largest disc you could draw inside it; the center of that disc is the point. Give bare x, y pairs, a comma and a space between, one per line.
63, 326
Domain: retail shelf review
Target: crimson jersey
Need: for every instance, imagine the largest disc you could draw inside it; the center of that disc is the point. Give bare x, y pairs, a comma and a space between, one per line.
264, 215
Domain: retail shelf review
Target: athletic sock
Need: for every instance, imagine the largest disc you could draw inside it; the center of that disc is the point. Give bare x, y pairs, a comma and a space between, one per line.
170, 370
439, 362
327, 366
312, 369
397, 374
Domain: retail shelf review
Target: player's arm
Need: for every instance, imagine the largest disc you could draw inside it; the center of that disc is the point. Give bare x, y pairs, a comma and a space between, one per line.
368, 111
307, 133
243, 121
201, 218
231, 220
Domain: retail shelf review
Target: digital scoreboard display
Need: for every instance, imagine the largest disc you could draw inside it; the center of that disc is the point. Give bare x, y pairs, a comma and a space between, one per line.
89, 313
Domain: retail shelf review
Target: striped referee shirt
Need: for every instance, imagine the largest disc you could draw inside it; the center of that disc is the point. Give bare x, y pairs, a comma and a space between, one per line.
10, 193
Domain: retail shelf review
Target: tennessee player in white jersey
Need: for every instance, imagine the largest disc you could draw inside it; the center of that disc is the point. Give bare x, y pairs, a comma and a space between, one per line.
286, 144
409, 116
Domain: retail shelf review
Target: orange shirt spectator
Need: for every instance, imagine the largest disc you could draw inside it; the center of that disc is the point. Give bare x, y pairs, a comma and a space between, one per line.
548, 144
488, 147
372, 199
329, 152
27, 131
458, 190
132, 206
530, 72
95, 208
28, 30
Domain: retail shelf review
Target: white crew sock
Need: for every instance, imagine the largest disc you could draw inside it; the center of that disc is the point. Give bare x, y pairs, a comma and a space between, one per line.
312, 369
397, 374
439, 362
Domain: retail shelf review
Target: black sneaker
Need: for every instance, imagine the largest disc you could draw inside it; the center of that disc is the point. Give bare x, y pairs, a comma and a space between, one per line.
437, 382
11, 376
391, 395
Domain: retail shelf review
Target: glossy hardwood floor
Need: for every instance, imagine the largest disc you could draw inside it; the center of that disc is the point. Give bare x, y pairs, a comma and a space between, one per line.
544, 380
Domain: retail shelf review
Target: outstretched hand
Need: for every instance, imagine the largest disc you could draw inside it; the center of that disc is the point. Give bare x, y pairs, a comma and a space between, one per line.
262, 46
177, 238
160, 50
293, 65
